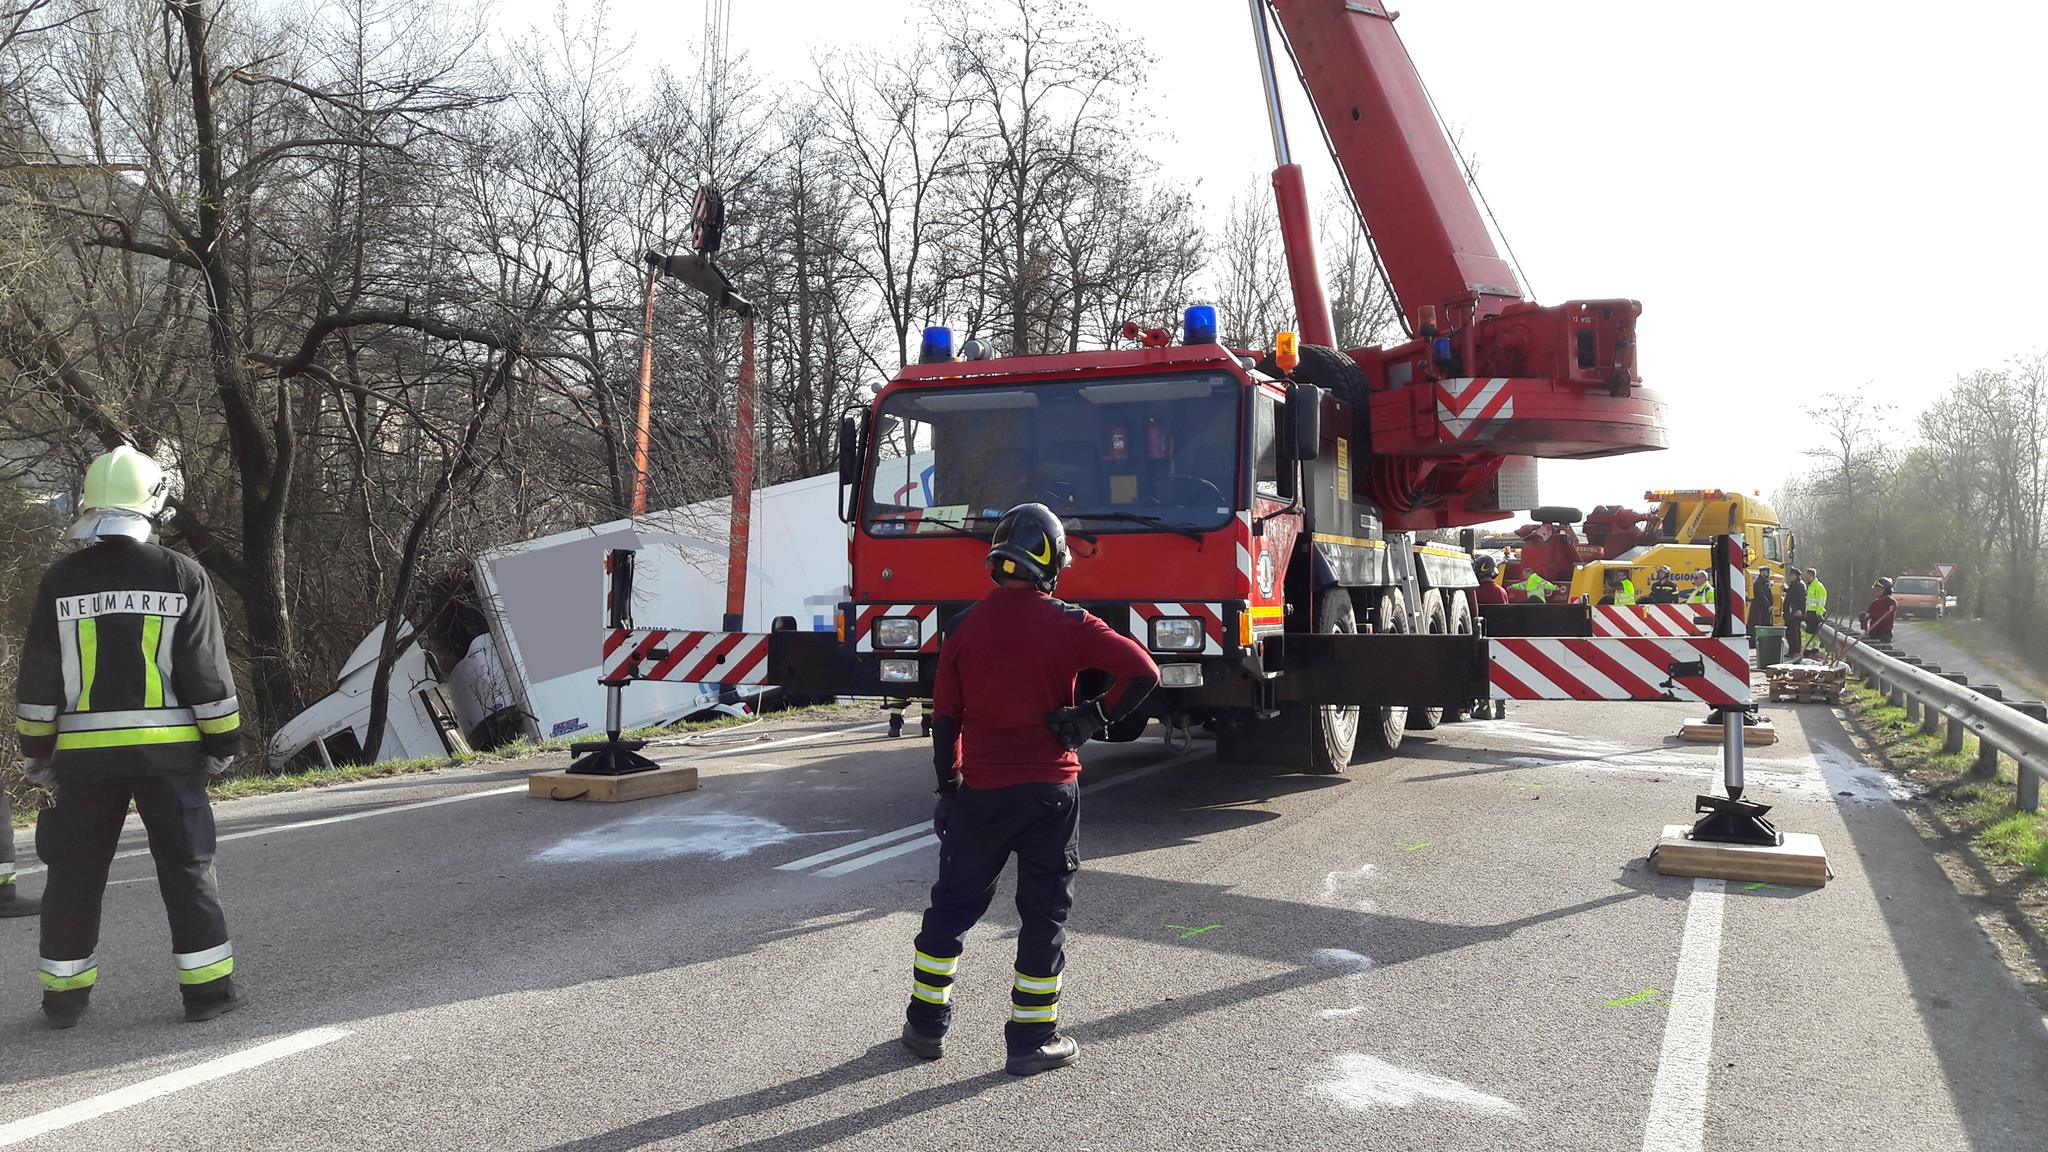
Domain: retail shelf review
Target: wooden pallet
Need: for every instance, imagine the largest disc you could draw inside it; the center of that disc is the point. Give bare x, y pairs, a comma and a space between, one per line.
1704, 731
1799, 860
561, 785
1807, 683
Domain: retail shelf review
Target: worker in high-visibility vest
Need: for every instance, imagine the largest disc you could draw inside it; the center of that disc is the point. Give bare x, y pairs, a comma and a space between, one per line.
1537, 587
126, 695
1620, 589
1702, 593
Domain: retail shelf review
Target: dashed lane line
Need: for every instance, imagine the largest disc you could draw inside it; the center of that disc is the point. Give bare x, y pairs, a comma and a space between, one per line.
44, 1123
1677, 1120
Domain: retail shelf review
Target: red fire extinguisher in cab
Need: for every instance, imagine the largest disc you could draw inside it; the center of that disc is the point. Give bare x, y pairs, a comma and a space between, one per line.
1119, 443
1158, 442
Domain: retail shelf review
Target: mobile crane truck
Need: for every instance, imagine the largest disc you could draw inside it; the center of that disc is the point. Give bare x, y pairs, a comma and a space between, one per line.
1252, 522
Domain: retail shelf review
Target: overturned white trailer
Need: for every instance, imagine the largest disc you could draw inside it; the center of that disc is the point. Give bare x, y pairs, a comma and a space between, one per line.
512, 654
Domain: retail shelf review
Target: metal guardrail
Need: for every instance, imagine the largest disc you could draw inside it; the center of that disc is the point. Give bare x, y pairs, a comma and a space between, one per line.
2017, 728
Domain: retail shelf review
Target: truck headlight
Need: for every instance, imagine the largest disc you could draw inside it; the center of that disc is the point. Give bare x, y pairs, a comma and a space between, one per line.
1177, 634
899, 671
899, 632
1180, 675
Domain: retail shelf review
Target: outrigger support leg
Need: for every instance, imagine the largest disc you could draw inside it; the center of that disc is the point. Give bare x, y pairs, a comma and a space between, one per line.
610, 756
1730, 819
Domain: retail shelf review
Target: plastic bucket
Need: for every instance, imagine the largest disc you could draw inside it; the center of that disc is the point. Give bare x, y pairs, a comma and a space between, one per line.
1770, 646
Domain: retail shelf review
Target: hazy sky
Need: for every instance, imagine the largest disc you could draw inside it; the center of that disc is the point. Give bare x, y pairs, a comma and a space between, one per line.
1807, 197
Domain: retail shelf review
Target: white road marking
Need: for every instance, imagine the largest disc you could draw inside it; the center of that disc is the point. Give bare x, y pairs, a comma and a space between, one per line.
853, 849
856, 864
1678, 1101
929, 841
44, 1123
321, 822
299, 825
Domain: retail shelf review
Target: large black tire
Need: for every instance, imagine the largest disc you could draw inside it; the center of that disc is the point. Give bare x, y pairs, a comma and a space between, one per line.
1331, 368
1435, 622
1383, 732
1333, 733
1461, 625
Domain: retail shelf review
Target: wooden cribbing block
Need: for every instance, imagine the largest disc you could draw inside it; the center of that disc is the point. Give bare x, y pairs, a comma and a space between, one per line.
1705, 731
1799, 860
562, 785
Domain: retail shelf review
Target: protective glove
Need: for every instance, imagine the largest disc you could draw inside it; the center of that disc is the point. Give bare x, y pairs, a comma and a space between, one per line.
942, 808
1077, 725
41, 773
215, 765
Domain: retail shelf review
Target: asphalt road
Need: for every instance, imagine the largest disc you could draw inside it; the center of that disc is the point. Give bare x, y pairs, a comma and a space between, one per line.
1459, 948
1920, 640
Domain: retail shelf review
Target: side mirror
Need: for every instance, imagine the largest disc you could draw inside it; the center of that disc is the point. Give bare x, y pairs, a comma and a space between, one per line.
852, 448
1305, 413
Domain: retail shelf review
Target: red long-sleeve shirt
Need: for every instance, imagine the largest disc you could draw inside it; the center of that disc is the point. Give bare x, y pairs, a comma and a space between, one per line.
1009, 661
1879, 616
1490, 593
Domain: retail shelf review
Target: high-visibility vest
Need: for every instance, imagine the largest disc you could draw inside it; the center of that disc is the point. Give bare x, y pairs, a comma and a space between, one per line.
126, 667
1536, 585
1704, 594
1627, 595
1817, 597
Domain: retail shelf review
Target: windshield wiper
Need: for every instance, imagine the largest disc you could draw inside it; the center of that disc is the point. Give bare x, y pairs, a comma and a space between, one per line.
1146, 519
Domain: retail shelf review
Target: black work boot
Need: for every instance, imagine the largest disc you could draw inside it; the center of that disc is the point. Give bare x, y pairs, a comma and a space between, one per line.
218, 998
926, 1045
13, 903
61, 1010
1057, 1052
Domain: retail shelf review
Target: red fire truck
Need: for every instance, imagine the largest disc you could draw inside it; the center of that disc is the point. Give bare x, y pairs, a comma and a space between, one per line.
1255, 520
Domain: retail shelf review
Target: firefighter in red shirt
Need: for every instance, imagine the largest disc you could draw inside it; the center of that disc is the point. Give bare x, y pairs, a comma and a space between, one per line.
1005, 728
1878, 618
1489, 590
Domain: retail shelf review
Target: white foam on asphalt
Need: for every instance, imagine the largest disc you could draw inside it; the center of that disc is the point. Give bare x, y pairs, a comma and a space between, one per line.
1677, 1120
667, 835
1343, 958
1345, 888
44, 1123
1365, 1084
1340, 1013
1844, 773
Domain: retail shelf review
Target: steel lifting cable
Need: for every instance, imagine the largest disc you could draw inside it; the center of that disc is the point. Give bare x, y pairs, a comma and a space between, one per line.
1471, 177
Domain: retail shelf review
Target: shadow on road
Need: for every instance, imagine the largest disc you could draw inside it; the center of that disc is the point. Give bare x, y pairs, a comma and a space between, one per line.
1941, 950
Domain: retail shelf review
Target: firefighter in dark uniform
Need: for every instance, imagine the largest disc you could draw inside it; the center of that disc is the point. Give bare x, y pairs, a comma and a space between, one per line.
126, 694
1006, 725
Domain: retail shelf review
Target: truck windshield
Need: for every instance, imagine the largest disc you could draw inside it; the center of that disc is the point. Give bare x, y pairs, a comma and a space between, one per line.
1129, 455
1916, 586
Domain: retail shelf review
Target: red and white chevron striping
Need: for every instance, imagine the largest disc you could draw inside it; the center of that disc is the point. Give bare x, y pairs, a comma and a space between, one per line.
684, 657
1577, 668
1649, 620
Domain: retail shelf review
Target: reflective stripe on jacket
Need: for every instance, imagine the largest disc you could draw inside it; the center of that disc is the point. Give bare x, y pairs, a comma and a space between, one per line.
126, 668
1817, 597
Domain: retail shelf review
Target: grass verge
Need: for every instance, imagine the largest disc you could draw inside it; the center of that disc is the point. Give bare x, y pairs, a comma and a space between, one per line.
1977, 808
